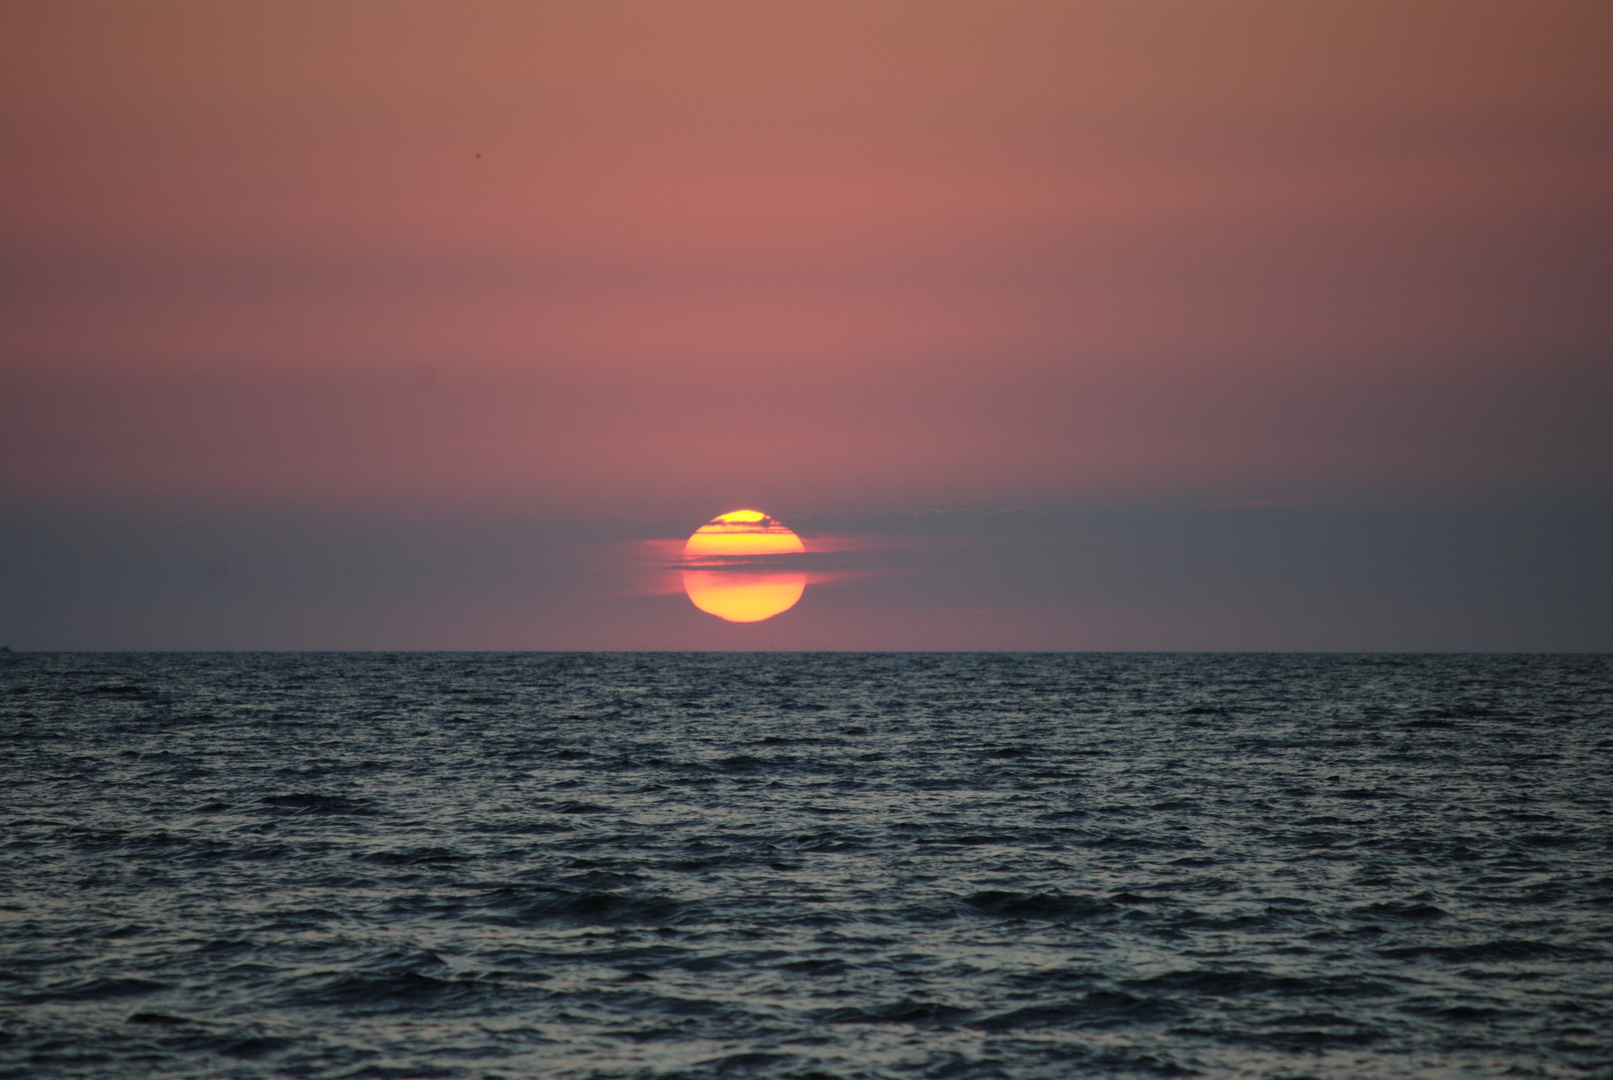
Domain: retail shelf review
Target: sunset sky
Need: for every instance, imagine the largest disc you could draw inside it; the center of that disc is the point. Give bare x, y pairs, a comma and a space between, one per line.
1046, 325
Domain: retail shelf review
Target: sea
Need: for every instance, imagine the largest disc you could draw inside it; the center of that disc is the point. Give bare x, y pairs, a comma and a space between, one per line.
813, 865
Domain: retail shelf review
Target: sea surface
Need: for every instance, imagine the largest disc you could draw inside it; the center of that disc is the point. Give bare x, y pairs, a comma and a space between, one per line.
805, 865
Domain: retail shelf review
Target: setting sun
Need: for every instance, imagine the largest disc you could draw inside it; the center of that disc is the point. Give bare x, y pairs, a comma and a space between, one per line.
721, 579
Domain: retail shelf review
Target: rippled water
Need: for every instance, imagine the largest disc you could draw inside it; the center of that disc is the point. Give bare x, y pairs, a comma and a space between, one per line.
805, 865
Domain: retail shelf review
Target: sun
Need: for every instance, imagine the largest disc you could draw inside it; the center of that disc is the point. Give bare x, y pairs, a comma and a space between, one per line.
730, 564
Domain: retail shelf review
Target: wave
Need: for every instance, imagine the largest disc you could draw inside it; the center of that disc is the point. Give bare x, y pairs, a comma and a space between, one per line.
309, 802
1046, 907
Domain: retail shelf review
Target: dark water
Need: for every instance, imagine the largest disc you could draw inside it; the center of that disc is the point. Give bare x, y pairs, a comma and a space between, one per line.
805, 866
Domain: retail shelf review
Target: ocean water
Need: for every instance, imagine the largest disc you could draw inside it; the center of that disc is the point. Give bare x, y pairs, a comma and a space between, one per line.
805, 865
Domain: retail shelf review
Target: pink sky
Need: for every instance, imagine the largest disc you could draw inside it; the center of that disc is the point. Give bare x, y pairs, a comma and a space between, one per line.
645, 262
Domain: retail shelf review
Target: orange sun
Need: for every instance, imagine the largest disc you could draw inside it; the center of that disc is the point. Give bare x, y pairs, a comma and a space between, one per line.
742, 595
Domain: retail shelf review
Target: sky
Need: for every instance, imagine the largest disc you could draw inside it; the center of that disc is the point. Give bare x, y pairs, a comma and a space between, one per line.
1046, 325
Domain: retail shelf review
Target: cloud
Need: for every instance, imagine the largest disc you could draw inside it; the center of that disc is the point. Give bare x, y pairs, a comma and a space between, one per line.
654, 567
1517, 576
